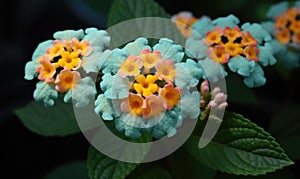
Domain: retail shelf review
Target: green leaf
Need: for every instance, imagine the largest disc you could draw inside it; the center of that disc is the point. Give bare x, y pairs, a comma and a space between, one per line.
102, 166
57, 120
74, 170
122, 10
240, 147
152, 173
191, 167
285, 126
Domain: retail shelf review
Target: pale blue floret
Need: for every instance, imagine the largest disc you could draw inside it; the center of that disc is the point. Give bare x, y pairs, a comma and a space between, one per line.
196, 48
135, 47
166, 126
128, 130
241, 65
212, 71
265, 55
111, 61
104, 108
230, 21
201, 27
97, 38
256, 77
84, 92
257, 32
268, 26
45, 93
277, 9
169, 50
189, 104
90, 63
114, 86
30, 67
190, 74
69, 34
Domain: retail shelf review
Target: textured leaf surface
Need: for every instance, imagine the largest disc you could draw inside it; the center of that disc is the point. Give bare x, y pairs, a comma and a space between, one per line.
122, 10
101, 166
240, 147
57, 120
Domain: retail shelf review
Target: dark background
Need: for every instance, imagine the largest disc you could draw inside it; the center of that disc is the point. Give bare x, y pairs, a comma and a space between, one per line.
26, 23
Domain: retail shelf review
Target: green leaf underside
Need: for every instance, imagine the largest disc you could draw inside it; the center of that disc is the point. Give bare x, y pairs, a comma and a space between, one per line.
240, 147
101, 166
74, 170
122, 10
57, 120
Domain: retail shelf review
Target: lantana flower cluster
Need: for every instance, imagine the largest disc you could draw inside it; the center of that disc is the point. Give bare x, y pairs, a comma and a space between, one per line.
60, 65
148, 89
285, 29
243, 50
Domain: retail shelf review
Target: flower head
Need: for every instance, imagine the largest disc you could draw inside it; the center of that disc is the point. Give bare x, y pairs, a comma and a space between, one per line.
221, 42
57, 63
184, 21
148, 97
284, 27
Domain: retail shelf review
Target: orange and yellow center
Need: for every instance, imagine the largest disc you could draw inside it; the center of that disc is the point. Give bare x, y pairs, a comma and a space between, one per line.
230, 42
287, 26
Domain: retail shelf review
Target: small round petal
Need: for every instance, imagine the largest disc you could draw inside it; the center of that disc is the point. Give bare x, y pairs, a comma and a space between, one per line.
166, 126
257, 32
255, 78
228, 21
165, 70
241, 65
97, 38
123, 122
171, 95
67, 80
84, 92
277, 9
212, 71
41, 49
115, 87
202, 26
265, 55
111, 61
46, 93
189, 104
69, 34
104, 108
90, 63
135, 47
131, 67
268, 26
30, 69
169, 50
189, 74
196, 48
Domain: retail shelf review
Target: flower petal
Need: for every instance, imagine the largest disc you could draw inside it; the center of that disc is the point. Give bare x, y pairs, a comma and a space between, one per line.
190, 104
123, 125
90, 63
135, 47
196, 48
265, 55
268, 26
104, 108
84, 92
188, 74
115, 87
202, 26
69, 34
169, 50
230, 21
41, 49
97, 38
256, 77
30, 69
257, 32
111, 61
212, 71
46, 93
277, 9
241, 65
